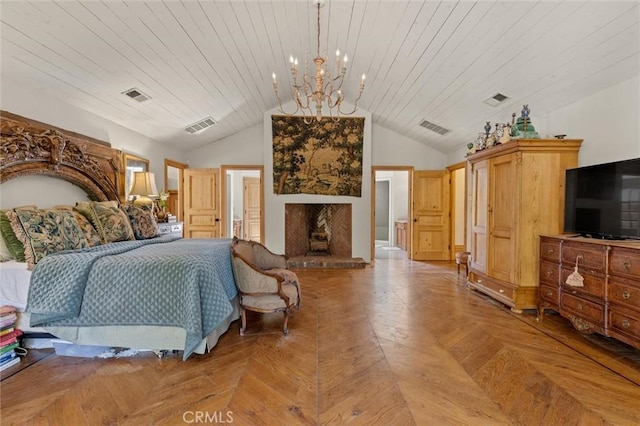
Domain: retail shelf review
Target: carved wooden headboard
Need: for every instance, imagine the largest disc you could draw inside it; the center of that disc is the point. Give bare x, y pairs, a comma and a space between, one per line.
28, 147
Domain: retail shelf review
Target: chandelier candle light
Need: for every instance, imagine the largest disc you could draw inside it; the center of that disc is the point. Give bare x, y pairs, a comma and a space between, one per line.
326, 88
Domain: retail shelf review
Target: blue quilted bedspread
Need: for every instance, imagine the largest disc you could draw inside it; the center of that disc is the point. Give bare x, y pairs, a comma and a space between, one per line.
163, 281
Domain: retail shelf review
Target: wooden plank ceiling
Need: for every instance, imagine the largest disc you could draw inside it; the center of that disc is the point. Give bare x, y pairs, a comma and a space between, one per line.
435, 60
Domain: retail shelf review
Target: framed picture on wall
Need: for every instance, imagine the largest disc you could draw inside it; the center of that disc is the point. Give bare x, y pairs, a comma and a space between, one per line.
132, 164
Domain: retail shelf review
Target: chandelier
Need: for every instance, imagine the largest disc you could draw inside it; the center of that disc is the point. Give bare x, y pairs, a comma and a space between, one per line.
319, 89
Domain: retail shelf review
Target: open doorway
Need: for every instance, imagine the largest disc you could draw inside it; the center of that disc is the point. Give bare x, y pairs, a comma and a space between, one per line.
391, 212
458, 208
242, 202
173, 181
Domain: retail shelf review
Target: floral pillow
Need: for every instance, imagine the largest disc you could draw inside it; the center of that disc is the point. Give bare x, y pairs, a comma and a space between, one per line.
84, 208
14, 245
109, 220
142, 221
89, 231
44, 232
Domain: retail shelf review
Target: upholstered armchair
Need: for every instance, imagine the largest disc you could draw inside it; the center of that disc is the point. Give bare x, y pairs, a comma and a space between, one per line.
264, 282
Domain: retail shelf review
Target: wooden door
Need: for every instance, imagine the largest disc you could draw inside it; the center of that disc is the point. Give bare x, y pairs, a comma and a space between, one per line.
503, 199
252, 208
201, 203
479, 206
430, 207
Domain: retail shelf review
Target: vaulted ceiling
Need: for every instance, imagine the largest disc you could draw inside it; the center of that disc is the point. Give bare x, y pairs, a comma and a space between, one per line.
424, 60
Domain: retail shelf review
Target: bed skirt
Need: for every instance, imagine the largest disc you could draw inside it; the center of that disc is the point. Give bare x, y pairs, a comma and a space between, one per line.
141, 337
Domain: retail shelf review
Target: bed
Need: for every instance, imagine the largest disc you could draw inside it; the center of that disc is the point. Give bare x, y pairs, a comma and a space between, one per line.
161, 293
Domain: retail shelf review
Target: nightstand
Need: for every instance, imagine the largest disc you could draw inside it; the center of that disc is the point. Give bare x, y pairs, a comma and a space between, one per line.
170, 228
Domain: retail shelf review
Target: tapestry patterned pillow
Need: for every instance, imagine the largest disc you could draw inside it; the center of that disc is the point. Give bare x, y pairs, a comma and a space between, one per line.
88, 229
44, 232
84, 208
14, 245
143, 222
112, 223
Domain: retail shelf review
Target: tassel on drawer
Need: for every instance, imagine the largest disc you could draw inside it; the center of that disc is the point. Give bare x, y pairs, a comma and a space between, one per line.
575, 279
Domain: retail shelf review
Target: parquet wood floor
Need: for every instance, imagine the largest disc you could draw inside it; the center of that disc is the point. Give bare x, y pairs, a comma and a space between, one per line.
400, 343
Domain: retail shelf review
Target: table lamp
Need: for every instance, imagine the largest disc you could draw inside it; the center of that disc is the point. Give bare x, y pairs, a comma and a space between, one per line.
144, 184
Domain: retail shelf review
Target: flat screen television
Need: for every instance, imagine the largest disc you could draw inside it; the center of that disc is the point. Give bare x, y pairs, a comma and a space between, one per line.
603, 201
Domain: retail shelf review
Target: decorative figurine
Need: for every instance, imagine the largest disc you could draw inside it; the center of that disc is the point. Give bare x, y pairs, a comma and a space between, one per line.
523, 129
506, 133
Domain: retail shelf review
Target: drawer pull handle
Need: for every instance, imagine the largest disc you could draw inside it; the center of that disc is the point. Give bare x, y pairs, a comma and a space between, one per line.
579, 306
626, 294
625, 323
550, 251
501, 291
548, 293
627, 265
549, 273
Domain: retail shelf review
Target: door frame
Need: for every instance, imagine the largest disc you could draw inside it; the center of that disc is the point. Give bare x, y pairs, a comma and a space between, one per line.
223, 195
180, 166
374, 169
453, 207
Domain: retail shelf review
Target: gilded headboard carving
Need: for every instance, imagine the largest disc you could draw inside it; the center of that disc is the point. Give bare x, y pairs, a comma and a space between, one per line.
28, 147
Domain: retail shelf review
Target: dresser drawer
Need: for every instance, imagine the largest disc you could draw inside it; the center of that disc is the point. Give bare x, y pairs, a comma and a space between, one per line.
503, 290
590, 311
592, 258
550, 294
593, 284
550, 273
624, 322
624, 292
625, 262
550, 249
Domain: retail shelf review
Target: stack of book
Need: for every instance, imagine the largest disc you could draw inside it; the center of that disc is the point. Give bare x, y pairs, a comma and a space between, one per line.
8, 337
171, 218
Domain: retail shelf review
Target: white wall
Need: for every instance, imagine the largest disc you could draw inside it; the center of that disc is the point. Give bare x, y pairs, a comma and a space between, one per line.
27, 102
391, 149
242, 148
608, 121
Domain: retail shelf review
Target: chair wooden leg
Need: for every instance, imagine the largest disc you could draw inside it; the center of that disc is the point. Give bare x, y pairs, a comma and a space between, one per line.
285, 329
466, 268
243, 314
458, 269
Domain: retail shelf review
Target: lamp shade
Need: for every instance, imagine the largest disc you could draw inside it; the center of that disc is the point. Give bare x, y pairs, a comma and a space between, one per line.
144, 184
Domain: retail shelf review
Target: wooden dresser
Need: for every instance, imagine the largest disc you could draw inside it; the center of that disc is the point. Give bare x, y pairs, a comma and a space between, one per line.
517, 194
609, 300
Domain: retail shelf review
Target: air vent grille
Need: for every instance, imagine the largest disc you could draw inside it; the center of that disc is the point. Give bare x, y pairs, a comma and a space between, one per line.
496, 99
200, 125
434, 127
137, 95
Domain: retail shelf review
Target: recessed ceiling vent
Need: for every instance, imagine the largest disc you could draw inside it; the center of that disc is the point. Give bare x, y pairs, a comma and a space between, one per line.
200, 125
496, 99
434, 127
137, 95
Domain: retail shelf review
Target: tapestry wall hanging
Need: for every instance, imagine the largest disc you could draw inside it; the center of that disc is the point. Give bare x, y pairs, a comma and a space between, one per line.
319, 158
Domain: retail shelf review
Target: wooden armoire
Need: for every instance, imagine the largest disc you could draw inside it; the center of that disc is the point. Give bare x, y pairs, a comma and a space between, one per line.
517, 193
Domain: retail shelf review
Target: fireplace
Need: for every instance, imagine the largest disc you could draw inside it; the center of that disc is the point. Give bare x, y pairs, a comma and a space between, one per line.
318, 230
